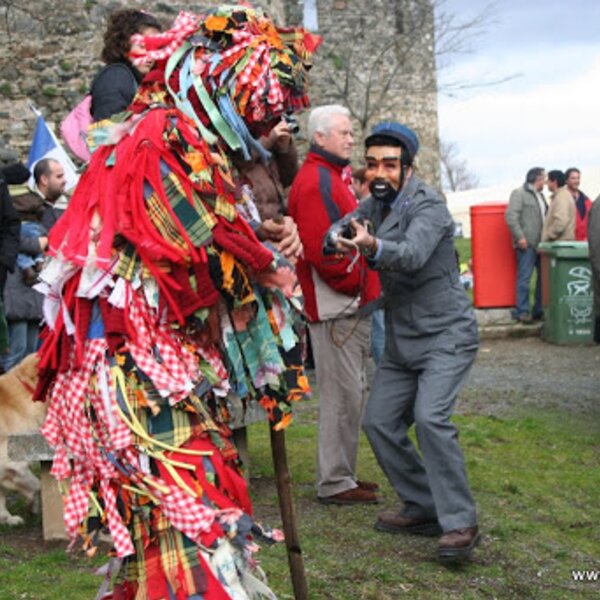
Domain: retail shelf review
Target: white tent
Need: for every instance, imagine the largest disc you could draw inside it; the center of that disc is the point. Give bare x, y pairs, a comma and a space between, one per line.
459, 203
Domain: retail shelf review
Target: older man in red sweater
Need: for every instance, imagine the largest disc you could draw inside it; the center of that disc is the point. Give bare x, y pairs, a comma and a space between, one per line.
339, 295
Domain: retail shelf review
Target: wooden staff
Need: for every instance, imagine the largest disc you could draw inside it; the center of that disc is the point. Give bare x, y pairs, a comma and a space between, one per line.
288, 515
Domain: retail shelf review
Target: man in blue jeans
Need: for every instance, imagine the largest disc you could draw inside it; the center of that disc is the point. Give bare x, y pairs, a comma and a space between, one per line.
525, 218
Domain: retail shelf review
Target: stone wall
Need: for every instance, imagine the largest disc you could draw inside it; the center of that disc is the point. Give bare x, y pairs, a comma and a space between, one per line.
377, 58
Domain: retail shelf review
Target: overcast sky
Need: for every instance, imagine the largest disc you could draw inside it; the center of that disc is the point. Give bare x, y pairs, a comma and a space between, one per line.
549, 114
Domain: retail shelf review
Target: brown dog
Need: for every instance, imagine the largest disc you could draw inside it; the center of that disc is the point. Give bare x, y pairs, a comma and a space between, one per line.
18, 414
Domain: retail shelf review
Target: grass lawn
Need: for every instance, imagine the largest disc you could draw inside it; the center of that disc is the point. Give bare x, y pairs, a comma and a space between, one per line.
535, 479
463, 245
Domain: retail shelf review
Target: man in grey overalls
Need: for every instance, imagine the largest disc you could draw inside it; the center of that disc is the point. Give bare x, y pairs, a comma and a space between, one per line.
431, 340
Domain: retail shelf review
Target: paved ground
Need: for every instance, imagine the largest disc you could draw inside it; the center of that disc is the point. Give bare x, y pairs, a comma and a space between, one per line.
519, 372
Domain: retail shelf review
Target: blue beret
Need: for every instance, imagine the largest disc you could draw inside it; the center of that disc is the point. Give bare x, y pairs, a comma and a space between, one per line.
401, 133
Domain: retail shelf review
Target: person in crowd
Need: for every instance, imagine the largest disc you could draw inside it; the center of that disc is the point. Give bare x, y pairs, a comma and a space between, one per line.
30, 208
116, 84
559, 223
10, 223
582, 203
10, 228
50, 182
359, 183
525, 218
431, 344
337, 293
268, 179
23, 304
594, 249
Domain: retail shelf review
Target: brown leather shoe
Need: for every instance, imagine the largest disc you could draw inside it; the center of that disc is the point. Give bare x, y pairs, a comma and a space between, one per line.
354, 496
457, 545
393, 522
370, 486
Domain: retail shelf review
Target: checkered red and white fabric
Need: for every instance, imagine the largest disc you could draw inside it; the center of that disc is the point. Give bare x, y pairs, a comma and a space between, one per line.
160, 353
184, 512
162, 45
76, 507
120, 536
67, 426
246, 76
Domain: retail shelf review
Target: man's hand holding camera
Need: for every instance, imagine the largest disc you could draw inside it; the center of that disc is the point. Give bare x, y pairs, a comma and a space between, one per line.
360, 237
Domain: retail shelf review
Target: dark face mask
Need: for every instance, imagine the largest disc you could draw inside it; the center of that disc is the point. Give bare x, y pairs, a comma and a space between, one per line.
383, 190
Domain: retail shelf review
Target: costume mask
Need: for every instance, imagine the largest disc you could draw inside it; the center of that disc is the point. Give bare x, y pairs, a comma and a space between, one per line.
384, 172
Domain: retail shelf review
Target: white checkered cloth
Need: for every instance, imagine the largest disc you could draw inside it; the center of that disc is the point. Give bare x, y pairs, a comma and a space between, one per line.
184, 512
160, 352
167, 42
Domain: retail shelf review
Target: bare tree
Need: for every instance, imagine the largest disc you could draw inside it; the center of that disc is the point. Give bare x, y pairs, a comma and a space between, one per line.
418, 39
456, 175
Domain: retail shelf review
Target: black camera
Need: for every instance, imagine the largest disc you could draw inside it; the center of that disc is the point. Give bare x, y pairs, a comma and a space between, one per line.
292, 123
344, 230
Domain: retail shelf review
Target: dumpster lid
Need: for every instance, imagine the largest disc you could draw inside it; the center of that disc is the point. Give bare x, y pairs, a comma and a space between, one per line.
488, 208
570, 249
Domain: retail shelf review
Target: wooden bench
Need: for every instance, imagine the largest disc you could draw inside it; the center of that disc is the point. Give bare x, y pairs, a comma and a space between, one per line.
32, 447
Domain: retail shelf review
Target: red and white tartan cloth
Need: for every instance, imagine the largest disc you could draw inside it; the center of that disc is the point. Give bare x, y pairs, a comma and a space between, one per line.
162, 45
78, 439
184, 512
160, 352
118, 531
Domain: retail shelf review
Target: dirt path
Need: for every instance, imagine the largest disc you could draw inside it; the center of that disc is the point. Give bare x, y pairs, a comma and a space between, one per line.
510, 374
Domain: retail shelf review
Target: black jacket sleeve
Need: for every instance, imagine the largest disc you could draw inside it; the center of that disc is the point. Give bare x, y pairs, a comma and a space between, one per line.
10, 229
112, 91
15, 174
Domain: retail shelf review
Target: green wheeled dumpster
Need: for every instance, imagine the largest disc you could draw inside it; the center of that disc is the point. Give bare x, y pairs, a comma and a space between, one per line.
567, 295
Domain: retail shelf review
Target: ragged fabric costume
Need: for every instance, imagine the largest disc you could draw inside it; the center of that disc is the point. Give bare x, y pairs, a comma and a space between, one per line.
162, 306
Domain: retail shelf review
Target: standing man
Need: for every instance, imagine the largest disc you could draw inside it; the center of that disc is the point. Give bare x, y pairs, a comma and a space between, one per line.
431, 343
23, 304
50, 180
10, 227
582, 203
525, 218
559, 224
335, 294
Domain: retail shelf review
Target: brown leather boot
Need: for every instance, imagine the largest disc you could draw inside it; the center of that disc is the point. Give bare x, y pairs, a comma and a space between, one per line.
456, 545
354, 496
392, 521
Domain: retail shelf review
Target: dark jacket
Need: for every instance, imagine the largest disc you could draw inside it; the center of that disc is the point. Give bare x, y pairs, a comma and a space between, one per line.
22, 302
524, 217
425, 303
113, 89
10, 228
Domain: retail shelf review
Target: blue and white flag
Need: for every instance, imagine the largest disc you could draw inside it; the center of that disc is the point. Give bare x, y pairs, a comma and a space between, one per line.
310, 15
45, 145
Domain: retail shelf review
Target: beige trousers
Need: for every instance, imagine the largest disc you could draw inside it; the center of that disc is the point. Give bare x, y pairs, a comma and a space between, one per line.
340, 351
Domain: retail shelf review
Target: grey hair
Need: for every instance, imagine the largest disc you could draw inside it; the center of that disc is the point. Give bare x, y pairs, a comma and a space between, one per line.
319, 120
